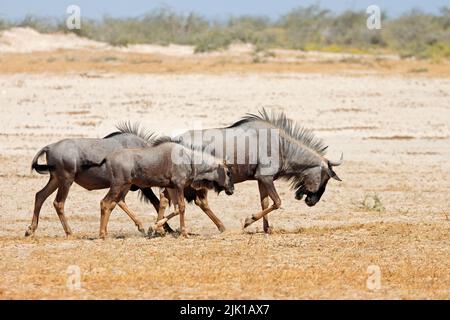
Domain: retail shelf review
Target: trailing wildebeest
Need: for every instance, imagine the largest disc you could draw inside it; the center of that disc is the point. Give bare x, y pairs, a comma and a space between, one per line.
297, 155
66, 163
165, 164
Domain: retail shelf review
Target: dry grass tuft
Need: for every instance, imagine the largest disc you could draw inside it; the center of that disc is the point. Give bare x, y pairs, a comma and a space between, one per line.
373, 203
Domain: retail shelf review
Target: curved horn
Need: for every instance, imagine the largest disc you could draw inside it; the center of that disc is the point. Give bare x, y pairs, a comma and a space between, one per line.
337, 163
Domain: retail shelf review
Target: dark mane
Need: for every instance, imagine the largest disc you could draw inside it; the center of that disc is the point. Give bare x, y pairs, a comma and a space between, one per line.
164, 139
112, 134
134, 129
299, 147
289, 128
245, 119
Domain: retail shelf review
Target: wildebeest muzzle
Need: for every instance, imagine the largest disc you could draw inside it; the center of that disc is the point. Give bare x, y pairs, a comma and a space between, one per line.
311, 198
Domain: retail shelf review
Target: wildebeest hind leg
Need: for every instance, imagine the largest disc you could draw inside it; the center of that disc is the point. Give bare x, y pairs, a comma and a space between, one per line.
61, 196
40, 197
108, 204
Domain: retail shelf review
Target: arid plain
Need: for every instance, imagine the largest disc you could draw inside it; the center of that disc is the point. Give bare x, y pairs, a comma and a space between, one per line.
390, 118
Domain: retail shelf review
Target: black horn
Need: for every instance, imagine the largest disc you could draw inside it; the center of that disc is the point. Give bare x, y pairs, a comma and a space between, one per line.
333, 175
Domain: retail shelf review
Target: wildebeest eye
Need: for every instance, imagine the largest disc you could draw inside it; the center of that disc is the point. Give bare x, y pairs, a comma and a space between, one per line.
229, 173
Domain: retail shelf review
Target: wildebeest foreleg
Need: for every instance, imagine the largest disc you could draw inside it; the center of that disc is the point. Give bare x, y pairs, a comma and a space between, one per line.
148, 193
163, 203
40, 197
165, 195
264, 197
132, 216
61, 196
161, 222
201, 200
181, 210
270, 187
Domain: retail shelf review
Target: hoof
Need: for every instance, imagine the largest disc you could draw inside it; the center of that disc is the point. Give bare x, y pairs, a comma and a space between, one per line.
142, 231
167, 228
222, 229
160, 232
155, 231
29, 232
268, 230
184, 233
248, 221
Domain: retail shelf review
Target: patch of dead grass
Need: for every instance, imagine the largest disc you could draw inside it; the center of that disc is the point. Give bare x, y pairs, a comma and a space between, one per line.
85, 61
310, 263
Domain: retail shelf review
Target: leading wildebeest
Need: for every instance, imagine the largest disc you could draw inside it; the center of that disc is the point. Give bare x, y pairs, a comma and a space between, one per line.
165, 164
266, 147
66, 163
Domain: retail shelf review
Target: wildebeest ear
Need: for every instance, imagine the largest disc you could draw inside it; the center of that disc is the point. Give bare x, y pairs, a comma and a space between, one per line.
333, 175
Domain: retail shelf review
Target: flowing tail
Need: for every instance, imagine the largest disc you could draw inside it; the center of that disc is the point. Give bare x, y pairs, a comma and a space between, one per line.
147, 195
41, 168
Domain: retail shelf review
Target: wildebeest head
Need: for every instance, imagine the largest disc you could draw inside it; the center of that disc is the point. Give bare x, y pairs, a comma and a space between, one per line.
220, 179
314, 181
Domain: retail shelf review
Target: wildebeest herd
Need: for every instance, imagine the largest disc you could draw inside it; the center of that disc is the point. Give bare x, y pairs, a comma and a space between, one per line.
263, 147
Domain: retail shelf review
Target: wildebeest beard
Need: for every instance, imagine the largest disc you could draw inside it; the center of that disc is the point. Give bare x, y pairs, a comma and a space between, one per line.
311, 197
217, 188
212, 185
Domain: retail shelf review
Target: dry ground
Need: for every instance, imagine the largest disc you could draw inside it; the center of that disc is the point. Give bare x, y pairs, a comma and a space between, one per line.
392, 127
87, 61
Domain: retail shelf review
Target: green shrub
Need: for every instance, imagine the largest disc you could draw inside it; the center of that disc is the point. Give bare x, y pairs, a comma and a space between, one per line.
419, 34
213, 40
305, 25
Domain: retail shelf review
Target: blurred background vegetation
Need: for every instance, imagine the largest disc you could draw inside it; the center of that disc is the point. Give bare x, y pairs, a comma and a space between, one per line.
415, 33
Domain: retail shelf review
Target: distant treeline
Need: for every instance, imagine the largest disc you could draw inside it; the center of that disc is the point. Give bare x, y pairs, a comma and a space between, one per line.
415, 33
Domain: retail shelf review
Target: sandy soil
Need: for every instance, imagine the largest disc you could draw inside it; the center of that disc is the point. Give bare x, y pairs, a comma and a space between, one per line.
394, 132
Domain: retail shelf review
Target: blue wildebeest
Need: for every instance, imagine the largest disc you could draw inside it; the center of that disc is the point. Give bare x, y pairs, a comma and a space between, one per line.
166, 164
296, 155
67, 163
